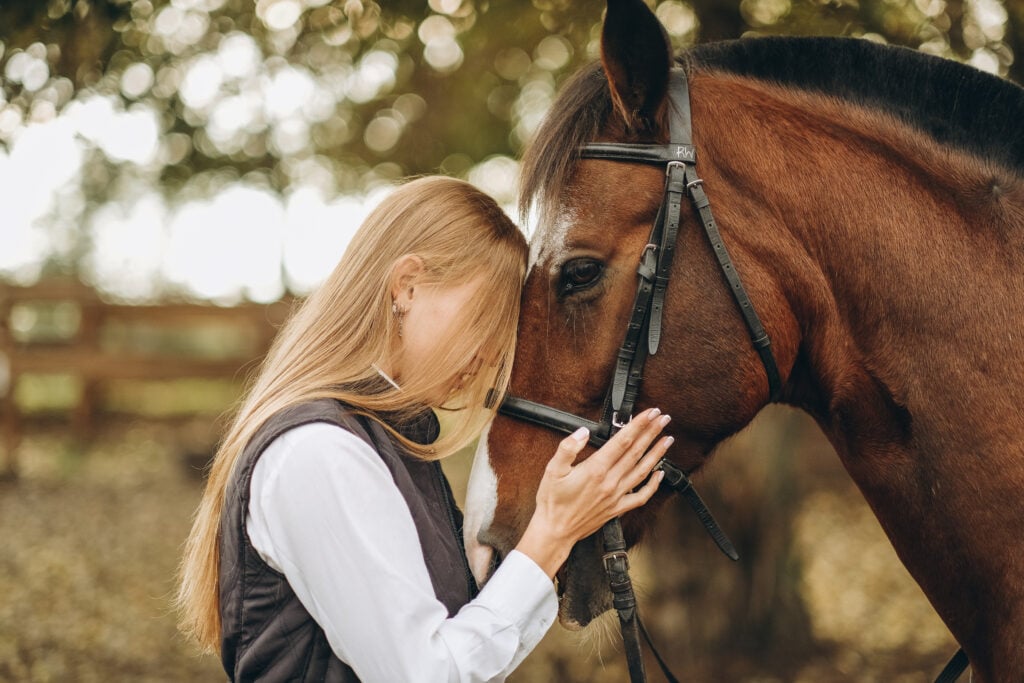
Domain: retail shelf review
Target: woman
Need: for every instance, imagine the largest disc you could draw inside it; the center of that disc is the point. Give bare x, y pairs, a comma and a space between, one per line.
327, 545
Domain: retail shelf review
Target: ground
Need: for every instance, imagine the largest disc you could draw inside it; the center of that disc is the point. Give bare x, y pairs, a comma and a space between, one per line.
93, 536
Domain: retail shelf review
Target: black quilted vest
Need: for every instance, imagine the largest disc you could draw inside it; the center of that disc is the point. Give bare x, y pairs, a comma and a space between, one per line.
266, 633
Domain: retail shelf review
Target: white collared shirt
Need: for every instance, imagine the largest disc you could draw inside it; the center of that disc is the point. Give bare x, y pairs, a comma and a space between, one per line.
325, 511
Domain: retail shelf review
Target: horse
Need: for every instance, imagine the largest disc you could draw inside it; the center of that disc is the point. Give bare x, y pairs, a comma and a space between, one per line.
872, 200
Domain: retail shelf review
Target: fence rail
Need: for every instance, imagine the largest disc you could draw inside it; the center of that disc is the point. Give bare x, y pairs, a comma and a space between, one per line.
112, 341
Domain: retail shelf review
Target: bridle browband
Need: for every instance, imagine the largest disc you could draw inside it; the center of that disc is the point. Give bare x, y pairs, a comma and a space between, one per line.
679, 158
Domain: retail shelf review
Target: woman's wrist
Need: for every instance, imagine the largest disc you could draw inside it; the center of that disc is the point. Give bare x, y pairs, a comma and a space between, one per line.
543, 547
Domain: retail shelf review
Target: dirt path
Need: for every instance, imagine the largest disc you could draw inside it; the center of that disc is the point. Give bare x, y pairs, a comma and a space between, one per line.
91, 543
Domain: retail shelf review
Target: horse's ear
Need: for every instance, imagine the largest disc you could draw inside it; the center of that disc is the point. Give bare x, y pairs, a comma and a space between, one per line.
637, 55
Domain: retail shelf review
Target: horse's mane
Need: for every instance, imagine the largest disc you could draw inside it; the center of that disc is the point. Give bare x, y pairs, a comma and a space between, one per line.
957, 105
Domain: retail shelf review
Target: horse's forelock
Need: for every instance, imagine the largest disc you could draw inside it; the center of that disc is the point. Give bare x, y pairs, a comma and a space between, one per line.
548, 164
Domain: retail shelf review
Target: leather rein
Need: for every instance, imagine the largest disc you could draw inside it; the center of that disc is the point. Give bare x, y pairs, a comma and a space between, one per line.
642, 339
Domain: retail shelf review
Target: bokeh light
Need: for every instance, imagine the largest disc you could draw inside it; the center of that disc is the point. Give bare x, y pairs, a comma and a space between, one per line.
300, 98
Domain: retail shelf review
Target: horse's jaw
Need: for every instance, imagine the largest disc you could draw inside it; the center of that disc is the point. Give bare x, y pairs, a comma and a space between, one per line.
583, 593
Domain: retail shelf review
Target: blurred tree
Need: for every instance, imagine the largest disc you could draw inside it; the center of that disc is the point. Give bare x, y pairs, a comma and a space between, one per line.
362, 91
348, 93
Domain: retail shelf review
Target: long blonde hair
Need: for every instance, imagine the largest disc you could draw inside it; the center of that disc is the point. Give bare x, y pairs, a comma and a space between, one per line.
330, 345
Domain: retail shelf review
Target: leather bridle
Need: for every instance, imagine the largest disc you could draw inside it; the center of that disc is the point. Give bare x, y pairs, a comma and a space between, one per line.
642, 339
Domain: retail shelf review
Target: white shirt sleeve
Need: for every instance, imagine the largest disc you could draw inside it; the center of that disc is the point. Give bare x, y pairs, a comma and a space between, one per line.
325, 512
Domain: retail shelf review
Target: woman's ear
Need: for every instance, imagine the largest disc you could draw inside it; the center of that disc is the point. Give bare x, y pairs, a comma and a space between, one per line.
405, 273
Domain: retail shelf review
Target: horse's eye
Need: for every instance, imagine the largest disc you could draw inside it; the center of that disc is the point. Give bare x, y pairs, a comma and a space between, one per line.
580, 273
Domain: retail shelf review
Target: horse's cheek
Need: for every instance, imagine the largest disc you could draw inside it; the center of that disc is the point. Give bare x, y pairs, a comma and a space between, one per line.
518, 455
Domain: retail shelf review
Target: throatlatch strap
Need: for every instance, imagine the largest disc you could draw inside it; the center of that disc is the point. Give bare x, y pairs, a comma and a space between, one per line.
669, 676
762, 343
677, 480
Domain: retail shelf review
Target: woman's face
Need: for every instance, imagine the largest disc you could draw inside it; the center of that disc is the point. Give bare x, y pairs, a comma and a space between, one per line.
433, 316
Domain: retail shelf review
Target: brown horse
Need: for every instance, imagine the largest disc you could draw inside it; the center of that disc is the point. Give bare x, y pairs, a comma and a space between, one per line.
872, 199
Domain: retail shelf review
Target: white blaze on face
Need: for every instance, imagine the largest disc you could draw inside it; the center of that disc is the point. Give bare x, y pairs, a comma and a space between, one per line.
481, 500
482, 490
547, 244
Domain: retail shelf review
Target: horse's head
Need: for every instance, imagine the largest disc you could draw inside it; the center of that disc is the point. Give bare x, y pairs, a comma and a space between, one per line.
595, 220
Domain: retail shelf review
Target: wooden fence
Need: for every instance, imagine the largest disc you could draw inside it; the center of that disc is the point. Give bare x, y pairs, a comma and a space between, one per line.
116, 342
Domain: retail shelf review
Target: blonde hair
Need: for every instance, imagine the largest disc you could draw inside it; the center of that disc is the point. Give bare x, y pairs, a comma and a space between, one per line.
331, 343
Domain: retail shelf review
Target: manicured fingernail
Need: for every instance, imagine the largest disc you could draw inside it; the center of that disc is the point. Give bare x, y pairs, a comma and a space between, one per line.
581, 434
669, 441
653, 413
665, 419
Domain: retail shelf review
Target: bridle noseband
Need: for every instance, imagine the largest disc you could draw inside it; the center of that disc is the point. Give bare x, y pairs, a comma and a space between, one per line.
642, 339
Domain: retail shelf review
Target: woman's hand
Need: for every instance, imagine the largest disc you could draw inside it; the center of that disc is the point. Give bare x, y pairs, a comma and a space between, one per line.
574, 501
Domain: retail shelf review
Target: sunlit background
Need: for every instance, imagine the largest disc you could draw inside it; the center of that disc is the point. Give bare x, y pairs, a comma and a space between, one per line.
208, 155
196, 148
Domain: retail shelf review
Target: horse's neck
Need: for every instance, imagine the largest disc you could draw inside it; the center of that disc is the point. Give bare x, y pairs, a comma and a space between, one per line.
907, 268
920, 268
925, 283
912, 309
908, 286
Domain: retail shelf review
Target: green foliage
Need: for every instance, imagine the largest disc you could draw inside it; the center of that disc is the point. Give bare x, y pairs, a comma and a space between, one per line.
345, 95
375, 92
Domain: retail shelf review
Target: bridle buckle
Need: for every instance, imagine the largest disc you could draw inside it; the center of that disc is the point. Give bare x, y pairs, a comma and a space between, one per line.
619, 424
615, 561
674, 164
